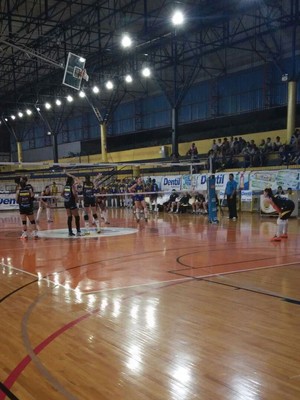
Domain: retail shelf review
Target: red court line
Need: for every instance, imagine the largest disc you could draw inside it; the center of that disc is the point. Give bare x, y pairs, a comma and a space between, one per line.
13, 376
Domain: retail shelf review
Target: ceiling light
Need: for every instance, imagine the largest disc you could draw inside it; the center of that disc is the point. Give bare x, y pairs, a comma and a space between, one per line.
95, 89
146, 72
178, 18
13, 117
81, 93
128, 78
126, 41
58, 102
69, 98
28, 111
109, 85
20, 114
48, 106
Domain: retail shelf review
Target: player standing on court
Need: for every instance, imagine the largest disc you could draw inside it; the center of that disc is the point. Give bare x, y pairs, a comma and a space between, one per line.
284, 207
24, 197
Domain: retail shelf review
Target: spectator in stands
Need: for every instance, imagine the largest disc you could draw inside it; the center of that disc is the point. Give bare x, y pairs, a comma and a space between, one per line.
193, 152
254, 155
246, 153
262, 152
214, 146
219, 144
242, 144
277, 144
236, 146
269, 145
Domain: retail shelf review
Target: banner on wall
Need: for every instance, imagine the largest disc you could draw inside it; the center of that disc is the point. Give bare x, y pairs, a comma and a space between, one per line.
168, 183
246, 196
8, 201
259, 180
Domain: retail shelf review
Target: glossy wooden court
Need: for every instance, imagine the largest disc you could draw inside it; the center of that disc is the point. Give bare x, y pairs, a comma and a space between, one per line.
176, 309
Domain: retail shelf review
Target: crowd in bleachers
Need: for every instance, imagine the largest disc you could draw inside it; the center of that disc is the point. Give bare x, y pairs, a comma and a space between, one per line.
236, 152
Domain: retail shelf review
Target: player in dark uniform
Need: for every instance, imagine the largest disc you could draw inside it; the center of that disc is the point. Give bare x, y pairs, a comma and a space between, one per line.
24, 197
70, 196
284, 207
154, 195
139, 199
89, 203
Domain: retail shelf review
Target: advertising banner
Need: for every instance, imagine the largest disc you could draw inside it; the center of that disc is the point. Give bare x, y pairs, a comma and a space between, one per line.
259, 180
246, 196
8, 202
168, 183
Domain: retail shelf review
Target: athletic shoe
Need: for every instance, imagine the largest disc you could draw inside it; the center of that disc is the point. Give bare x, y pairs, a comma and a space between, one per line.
71, 234
24, 235
284, 236
35, 234
276, 239
234, 219
78, 233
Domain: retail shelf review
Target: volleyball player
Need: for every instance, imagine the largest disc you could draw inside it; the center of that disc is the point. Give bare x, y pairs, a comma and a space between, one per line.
24, 197
45, 203
284, 207
139, 199
70, 196
89, 201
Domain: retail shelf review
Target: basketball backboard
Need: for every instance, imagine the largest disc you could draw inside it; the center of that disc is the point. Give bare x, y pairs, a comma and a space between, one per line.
74, 71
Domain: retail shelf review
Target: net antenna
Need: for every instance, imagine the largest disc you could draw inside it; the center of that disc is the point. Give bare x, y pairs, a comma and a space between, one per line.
75, 71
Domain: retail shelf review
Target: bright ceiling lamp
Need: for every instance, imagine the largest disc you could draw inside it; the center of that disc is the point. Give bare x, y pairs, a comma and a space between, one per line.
177, 18
146, 72
69, 98
13, 117
126, 41
96, 89
20, 114
58, 102
47, 106
28, 111
81, 94
109, 85
128, 78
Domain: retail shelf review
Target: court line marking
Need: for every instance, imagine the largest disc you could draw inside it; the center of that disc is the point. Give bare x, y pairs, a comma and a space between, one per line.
33, 352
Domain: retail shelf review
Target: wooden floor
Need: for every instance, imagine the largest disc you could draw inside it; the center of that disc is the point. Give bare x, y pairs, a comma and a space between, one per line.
177, 310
